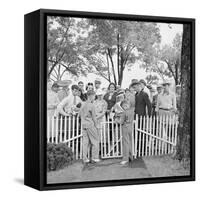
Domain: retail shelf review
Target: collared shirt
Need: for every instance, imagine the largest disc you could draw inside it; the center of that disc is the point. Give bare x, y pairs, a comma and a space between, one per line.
87, 114
68, 103
166, 101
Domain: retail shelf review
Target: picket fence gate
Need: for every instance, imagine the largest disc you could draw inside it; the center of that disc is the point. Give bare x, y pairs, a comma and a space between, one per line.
151, 136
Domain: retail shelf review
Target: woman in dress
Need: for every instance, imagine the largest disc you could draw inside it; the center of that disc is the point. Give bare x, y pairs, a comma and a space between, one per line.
100, 109
110, 97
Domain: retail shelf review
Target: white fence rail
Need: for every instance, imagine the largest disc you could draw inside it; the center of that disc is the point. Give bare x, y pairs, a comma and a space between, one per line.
150, 135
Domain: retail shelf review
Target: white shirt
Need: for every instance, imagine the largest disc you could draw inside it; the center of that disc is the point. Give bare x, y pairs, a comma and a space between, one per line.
166, 101
67, 104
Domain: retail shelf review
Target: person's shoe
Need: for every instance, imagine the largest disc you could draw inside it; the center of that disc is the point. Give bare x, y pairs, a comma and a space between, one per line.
96, 160
123, 162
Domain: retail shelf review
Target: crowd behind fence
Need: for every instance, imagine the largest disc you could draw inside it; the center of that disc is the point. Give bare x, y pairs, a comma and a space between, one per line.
155, 135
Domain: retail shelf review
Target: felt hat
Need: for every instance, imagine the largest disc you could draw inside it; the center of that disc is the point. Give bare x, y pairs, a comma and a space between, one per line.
143, 81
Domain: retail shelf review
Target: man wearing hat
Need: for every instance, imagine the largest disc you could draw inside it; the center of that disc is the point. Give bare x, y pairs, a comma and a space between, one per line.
144, 88
166, 101
141, 100
64, 92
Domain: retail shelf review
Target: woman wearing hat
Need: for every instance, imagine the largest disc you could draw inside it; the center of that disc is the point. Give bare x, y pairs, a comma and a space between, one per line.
64, 92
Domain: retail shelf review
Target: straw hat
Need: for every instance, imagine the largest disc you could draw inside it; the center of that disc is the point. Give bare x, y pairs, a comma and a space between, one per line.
64, 83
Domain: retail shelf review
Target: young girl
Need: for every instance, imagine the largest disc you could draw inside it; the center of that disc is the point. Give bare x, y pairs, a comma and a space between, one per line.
89, 127
127, 118
117, 110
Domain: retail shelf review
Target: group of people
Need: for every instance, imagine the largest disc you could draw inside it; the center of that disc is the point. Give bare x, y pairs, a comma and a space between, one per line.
95, 105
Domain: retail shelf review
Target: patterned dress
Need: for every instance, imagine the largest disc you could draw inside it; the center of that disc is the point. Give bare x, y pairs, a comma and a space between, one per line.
100, 108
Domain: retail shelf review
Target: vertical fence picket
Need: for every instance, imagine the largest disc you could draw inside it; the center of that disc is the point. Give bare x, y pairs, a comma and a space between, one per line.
163, 133
56, 134
69, 129
140, 136
108, 127
176, 128
156, 131
159, 134
153, 139
135, 129
101, 139
133, 140
170, 146
120, 131
144, 123
173, 134
60, 129
116, 139
146, 138
104, 137
77, 130
81, 143
167, 134
150, 137
65, 129
113, 138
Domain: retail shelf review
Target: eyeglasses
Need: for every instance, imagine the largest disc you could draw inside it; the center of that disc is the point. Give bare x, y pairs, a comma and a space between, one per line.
90, 84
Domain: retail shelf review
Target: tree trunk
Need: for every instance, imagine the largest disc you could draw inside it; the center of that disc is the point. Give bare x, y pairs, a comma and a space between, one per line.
184, 129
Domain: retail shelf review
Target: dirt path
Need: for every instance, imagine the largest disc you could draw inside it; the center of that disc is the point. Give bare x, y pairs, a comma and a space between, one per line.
110, 169
105, 170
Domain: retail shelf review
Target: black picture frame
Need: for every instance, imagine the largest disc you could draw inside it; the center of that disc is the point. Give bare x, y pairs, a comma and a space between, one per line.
35, 68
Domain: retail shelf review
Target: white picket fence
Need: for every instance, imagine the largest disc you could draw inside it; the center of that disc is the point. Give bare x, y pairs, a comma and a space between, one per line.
151, 136
66, 130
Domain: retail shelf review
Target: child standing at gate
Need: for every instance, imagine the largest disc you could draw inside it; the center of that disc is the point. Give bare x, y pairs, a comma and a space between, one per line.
127, 118
89, 127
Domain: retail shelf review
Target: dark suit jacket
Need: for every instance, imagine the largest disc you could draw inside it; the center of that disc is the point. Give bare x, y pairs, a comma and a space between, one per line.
141, 102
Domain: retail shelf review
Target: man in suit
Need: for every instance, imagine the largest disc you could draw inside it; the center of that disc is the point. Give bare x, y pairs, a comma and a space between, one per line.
141, 100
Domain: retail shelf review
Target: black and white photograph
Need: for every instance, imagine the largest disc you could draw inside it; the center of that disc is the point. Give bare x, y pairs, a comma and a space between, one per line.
118, 99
